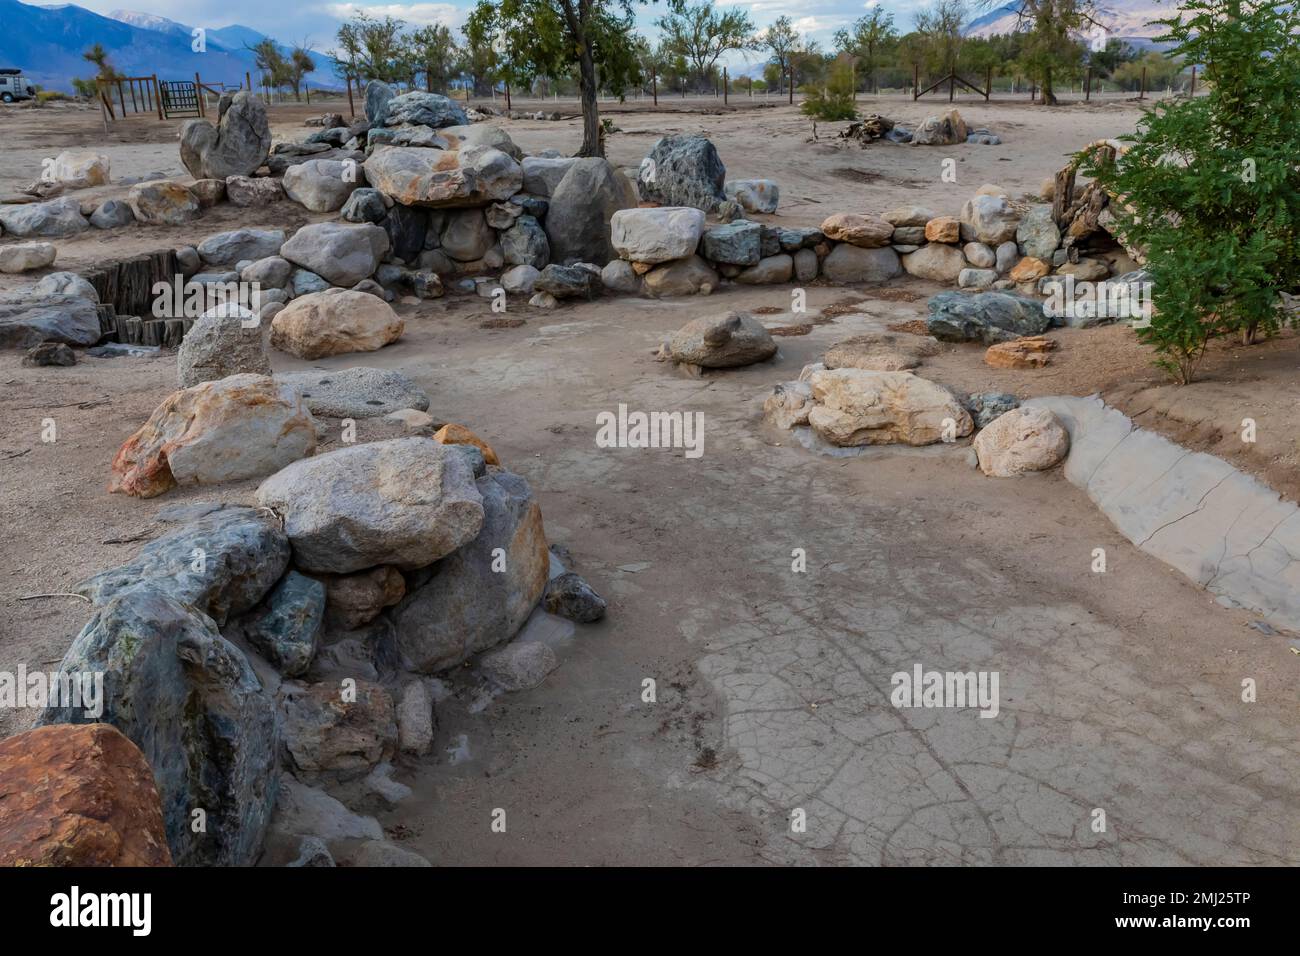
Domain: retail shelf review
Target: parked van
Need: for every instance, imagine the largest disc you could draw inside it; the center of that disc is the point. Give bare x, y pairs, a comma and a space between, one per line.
14, 86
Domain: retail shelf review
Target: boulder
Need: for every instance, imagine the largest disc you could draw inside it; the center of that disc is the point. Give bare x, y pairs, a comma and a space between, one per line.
519, 665
979, 255
377, 97
244, 426
191, 702
420, 109
986, 406
27, 321
49, 354
935, 261
976, 278
407, 228
328, 729
323, 185
806, 264
946, 129
405, 502
356, 392
26, 256
364, 204
354, 600
728, 340
163, 203
467, 605
522, 279
453, 434
881, 351
65, 283
78, 169
849, 263
222, 563
253, 190
335, 322
789, 405
53, 219
863, 231
271, 272
987, 317
415, 719
78, 796
1037, 232
736, 243
112, 213
943, 229
482, 134
1028, 269
208, 192
342, 253
466, 237
221, 343
1024, 439
909, 216
859, 407
229, 248
769, 271
1028, 352
1085, 270
656, 235
286, 628
543, 173
683, 277
566, 282
236, 146
569, 596
754, 195
1007, 256
683, 171
303, 282
581, 207
991, 220
473, 176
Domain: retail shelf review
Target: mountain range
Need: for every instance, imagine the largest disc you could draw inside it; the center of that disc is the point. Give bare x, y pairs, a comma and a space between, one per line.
1128, 20
46, 43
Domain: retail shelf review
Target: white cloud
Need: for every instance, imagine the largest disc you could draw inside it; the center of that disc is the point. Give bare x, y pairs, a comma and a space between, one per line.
418, 13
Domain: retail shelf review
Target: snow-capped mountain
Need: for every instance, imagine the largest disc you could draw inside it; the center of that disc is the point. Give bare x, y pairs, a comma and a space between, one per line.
1124, 19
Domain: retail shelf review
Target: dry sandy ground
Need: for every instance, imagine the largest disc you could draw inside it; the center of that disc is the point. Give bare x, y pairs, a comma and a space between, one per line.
1119, 691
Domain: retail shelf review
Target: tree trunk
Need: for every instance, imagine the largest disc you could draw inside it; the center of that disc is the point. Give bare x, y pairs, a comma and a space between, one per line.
1049, 98
591, 142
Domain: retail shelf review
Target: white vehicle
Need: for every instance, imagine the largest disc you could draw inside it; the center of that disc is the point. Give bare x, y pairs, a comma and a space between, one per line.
14, 86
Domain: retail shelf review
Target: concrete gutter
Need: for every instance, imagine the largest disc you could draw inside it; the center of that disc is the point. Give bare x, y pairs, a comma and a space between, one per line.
1223, 529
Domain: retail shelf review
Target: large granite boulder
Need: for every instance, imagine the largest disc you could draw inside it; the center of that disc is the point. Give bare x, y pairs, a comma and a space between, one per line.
728, 340
237, 245
849, 263
584, 202
356, 392
405, 502
342, 253
683, 171
53, 219
656, 235
525, 244
420, 109
543, 173
859, 407
1022, 440
244, 426
988, 317
335, 322
224, 341
191, 702
472, 176
469, 603
946, 129
866, 232
164, 203
991, 220
735, 243
323, 185
27, 321
236, 146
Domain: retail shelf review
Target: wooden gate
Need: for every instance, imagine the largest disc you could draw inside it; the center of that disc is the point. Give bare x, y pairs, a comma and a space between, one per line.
179, 98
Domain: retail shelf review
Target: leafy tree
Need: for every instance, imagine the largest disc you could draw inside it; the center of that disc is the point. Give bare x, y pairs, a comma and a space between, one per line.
834, 100
104, 71
1116, 52
550, 37
433, 51
702, 34
1209, 187
1160, 71
869, 41
940, 27
370, 48
478, 58
269, 61
298, 64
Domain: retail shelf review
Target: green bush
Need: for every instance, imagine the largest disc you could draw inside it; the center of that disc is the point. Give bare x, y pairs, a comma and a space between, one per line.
1209, 188
834, 101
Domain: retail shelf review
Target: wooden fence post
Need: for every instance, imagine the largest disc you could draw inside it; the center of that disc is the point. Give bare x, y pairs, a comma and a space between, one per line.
654, 84
1193, 91
916, 79
725, 85
352, 110
158, 95
1142, 90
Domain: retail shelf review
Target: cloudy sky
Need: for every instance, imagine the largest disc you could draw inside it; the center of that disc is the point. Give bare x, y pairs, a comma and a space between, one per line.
294, 21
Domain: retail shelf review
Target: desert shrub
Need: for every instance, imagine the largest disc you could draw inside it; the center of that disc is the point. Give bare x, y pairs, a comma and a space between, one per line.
45, 96
834, 100
1210, 188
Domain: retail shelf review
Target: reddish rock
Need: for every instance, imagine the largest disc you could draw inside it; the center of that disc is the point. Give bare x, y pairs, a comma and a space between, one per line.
78, 795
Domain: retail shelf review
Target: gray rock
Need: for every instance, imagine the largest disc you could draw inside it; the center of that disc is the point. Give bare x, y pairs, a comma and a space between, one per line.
525, 243
739, 243
332, 730
364, 205
799, 237
415, 719
341, 253
1007, 255
848, 263
26, 321
1037, 233
357, 392
271, 274
305, 282
306, 811
222, 564
619, 276
112, 213
406, 227
728, 340
519, 665
420, 109
986, 406
577, 221
566, 282
65, 283
287, 627
466, 235
991, 220
53, 219
520, 280
683, 171
466, 606
976, 278
323, 185
769, 271
987, 317
236, 146
979, 255
191, 702
806, 265
218, 345
569, 596
312, 852
378, 95
228, 248
405, 502
543, 174
49, 354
